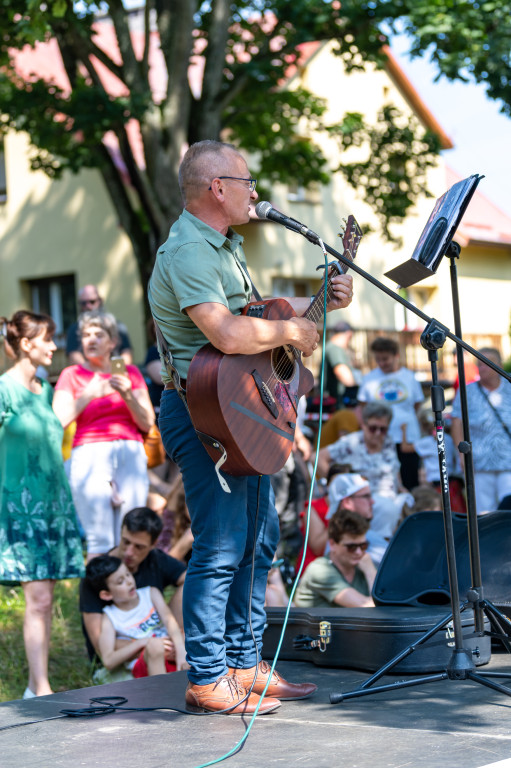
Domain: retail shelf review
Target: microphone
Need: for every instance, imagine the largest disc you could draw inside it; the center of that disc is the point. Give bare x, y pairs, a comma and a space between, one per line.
264, 210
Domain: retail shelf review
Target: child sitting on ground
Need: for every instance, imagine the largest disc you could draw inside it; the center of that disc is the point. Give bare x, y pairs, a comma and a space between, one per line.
139, 616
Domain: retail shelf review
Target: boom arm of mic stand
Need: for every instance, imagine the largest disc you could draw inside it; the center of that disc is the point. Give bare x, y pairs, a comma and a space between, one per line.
427, 319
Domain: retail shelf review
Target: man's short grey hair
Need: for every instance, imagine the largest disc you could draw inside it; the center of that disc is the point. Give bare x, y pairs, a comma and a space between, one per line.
376, 411
103, 320
203, 162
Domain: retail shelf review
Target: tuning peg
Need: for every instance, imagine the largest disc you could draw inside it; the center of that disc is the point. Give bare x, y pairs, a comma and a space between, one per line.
342, 227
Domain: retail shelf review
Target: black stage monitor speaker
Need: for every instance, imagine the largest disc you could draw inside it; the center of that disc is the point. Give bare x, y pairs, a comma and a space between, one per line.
413, 570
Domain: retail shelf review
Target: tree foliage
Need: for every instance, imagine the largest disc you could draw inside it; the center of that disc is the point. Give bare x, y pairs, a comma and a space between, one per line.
393, 173
247, 48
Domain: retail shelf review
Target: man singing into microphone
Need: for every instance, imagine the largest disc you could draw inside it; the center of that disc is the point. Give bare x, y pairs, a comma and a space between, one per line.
196, 293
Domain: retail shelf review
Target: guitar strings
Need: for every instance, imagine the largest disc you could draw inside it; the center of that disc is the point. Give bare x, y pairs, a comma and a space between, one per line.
279, 370
314, 312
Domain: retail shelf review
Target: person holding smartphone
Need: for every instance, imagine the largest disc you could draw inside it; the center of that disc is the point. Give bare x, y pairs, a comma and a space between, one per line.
111, 406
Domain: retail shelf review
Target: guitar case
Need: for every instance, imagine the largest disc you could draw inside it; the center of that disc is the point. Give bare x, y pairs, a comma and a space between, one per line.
411, 594
368, 638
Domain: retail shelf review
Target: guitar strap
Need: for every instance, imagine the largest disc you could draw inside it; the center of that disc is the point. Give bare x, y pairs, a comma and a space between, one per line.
176, 378
254, 289
497, 414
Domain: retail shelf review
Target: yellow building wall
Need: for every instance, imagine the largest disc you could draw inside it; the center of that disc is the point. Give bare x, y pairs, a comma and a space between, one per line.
61, 227
52, 228
273, 251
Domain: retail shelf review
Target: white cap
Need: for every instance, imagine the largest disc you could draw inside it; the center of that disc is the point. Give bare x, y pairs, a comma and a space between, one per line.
341, 487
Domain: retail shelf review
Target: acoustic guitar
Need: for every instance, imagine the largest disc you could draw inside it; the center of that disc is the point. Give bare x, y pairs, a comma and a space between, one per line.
248, 403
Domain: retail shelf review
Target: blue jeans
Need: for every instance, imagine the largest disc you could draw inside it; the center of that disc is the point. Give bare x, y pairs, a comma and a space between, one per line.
217, 585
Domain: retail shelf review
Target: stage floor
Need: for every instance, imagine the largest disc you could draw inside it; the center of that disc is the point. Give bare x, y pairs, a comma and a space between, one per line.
460, 724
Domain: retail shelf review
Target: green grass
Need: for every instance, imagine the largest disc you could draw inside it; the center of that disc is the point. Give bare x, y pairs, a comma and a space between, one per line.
69, 665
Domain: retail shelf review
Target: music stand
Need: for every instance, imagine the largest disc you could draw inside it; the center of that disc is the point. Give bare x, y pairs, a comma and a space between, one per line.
436, 241
437, 234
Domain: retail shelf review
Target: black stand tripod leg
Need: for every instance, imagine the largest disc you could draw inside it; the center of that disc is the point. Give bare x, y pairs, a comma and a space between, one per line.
483, 679
498, 615
336, 698
406, 652
499, 622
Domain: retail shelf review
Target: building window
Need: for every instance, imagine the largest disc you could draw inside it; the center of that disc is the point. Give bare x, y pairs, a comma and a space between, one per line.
287, 286
55, 296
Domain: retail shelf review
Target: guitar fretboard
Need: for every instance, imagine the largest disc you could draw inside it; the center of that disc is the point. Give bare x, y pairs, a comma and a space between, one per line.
350, 241
316, 308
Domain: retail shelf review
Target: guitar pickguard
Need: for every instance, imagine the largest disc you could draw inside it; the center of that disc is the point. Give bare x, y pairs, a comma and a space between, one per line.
264, 393
287, 395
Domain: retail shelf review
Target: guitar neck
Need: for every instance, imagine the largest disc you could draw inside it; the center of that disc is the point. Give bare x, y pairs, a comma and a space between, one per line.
316, 308
350, 241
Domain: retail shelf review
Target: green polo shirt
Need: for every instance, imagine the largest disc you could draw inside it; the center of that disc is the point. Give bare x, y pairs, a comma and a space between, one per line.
321, 583
197, 264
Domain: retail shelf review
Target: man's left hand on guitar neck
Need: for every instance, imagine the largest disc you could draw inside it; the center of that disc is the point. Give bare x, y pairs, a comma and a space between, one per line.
342, 287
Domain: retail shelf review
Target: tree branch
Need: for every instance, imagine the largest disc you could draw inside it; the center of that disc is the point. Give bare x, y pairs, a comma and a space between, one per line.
133, 76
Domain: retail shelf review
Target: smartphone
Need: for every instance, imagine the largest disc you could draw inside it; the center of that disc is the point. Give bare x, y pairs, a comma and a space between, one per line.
117, 366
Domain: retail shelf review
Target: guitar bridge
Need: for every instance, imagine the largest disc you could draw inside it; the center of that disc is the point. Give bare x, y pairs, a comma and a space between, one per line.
264, 393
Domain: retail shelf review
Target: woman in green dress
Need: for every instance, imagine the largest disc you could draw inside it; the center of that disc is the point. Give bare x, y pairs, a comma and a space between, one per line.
39, 536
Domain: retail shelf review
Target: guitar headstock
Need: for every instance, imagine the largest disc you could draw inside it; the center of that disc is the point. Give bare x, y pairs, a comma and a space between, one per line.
351, 236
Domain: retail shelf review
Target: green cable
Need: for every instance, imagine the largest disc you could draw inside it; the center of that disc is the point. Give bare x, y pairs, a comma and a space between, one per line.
300, 569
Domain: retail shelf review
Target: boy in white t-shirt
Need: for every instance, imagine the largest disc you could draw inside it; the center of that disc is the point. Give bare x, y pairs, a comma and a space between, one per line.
396, 386
138, 628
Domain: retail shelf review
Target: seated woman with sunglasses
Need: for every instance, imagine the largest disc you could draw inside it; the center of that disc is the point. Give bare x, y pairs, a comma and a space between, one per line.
346, 574
371, 453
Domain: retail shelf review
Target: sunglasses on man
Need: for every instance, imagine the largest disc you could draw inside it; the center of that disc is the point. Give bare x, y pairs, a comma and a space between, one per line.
352, 547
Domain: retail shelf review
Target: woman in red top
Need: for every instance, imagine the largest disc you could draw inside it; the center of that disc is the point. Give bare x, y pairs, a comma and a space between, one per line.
108, 465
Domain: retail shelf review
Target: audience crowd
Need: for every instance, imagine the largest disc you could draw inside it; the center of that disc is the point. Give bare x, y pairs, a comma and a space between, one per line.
103, 508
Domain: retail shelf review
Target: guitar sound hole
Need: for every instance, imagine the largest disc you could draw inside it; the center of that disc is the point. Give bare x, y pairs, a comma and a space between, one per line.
283, 365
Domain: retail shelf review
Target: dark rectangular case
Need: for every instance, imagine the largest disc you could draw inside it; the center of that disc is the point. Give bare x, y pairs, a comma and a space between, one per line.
411, 594
367, 638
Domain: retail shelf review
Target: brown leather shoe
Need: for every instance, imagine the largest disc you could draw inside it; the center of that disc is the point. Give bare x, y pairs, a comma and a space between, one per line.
278, 687
224, 694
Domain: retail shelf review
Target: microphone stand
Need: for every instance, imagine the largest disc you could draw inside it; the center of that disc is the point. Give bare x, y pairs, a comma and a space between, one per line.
461, 665
353, 266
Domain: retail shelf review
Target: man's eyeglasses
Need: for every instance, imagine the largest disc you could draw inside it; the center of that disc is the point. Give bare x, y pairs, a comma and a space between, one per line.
352, 547
252, 183
363, 496
374, 428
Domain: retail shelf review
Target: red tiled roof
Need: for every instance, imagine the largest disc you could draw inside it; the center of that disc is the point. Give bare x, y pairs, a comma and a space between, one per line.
412, 96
